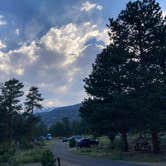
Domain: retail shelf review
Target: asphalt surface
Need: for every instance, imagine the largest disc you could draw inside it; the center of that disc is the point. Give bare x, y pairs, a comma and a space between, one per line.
69, 158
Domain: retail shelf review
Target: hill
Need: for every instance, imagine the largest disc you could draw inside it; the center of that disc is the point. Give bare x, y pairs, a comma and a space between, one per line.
57, 114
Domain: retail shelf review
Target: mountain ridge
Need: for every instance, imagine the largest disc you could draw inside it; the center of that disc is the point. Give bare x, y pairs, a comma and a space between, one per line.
58, 113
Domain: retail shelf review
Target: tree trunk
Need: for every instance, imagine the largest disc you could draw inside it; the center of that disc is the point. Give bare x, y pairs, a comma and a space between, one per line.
111, 136
155, 142
125, 145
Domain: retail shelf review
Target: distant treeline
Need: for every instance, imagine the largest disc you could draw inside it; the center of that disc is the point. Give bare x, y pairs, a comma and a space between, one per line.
66, 128
17, 122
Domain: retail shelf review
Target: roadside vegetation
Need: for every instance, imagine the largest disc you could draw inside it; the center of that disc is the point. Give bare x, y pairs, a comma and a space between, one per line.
20, 157
19, 127
104, 150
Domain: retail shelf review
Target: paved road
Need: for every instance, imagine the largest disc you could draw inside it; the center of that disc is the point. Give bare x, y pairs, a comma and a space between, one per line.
70, 159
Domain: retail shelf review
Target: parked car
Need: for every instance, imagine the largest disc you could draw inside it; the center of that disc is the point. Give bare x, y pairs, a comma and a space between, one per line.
77, 138
65, 139
87, 142
94, 142
142, 145
49, 136
41, 138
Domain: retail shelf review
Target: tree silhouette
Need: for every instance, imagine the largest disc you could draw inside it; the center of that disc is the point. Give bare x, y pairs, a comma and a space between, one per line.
11, 92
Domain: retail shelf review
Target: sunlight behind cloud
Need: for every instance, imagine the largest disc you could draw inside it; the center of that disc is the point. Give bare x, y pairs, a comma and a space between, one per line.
70, 40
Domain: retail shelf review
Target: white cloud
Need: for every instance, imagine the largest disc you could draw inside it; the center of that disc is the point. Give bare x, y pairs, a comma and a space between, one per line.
164, 13
52, 103
88, 6
2, 21
99, 7
70, 40
17, 31
57, 62
2, 45
19, 71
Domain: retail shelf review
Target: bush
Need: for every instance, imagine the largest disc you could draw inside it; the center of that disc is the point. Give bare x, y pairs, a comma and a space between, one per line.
25, 144
6, 152
48, 159
72, 143
13, 162
32, 155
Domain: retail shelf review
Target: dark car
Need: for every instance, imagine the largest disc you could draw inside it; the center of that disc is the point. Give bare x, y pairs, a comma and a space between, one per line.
65, 139
41, 138
77, 138
94, 142
87, 143
49, 136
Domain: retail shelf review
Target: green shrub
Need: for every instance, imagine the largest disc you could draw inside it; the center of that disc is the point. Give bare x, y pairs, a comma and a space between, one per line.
32, 155
13, 162
25, 144
6, 152
48, 159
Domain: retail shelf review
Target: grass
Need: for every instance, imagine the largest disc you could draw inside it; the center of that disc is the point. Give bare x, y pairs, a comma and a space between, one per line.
104, 151
32, 155
29, 156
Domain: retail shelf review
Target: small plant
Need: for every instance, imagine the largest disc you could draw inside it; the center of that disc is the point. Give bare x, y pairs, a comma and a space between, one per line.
6, 152
13, 162
30, 156
25, 144
72, 143
48, 159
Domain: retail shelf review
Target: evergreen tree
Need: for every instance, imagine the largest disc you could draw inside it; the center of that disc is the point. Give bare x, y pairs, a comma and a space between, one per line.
33, 100
107, 85
3, 124
141, 30
132, 69
10, 94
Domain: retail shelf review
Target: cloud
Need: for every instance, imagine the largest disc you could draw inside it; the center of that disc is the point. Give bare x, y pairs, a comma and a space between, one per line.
2, 45
99, 7
88, 6
17, 31
70, 40
164, 13
52, 103
57, 62
2, 21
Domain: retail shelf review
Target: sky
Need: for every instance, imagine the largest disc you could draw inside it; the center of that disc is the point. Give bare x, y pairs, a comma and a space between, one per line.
52, 44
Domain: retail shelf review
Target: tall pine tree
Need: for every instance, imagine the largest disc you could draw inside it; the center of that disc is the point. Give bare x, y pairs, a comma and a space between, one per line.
133, 66
141, 30
33, 101
11, 92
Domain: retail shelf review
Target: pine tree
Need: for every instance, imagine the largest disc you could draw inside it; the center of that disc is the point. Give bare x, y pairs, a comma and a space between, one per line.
132, 68
141, 30
33, 100
107, 85
11, 92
